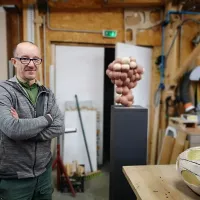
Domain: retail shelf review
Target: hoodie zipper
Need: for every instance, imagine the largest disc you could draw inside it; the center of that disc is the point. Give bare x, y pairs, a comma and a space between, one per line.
35, 115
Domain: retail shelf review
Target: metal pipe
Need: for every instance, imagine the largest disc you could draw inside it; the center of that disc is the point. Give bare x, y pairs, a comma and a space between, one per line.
179, 13
162, 57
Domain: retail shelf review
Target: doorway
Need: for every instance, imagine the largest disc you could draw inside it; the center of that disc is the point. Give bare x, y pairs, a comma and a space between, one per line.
109, 56
106, 89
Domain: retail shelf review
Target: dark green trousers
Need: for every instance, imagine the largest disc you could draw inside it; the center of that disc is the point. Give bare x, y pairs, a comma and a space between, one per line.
39, 188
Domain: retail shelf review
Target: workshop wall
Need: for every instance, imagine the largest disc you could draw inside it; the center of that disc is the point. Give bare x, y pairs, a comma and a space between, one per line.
148, 33
86, 21
178, 46
146, 30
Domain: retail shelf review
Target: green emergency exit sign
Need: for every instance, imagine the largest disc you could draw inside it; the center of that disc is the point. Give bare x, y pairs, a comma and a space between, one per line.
110, 33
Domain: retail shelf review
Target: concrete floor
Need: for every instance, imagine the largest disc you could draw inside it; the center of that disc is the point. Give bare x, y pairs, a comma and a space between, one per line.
97, 188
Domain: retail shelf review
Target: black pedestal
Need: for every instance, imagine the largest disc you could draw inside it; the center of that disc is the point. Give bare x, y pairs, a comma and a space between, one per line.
128, 146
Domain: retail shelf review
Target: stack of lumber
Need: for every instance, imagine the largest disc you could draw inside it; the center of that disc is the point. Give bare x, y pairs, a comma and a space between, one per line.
74, 169
174, 144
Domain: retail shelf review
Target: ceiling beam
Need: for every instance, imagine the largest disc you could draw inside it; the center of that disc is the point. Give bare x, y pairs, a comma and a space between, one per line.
133, 3
11, 4
98, 4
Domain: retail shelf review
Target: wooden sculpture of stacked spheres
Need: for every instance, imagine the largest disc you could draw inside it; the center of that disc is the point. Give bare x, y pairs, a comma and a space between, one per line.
124, 73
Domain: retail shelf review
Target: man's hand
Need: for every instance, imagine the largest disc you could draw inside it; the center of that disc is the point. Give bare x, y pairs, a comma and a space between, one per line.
14, 113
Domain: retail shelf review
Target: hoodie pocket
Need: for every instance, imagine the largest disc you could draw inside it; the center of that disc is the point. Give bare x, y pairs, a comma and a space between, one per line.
43, 154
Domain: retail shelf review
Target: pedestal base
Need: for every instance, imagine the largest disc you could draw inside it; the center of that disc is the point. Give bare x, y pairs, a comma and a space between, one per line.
128, 146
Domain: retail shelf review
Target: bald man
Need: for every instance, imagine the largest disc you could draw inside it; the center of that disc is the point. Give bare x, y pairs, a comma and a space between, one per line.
29, 119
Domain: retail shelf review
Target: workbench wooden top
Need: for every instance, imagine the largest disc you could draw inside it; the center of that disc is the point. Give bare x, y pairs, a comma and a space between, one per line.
158, 182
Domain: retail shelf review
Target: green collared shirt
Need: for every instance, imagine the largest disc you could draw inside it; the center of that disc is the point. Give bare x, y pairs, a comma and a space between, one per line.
32, 90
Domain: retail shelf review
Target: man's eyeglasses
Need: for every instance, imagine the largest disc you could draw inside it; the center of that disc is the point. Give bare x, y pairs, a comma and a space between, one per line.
26, 61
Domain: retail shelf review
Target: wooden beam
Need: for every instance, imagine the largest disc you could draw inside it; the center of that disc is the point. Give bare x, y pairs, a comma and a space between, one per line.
155, 79
71, 4
98, 4
159, 118
14, 27
17, 3
29, 2
133, 3
193, 55
38, 23
9, 2
25, 37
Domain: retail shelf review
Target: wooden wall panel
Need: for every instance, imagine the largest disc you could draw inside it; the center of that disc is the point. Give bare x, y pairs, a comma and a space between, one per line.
87, 20
14, 29
181, 49
133, 3
101, 3
149, 37
143, 27
80, 4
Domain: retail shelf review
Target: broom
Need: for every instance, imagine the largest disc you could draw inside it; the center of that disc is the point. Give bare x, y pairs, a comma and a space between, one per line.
92, 173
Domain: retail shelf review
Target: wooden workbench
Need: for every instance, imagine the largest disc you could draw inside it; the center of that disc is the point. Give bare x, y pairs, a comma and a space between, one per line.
158, 182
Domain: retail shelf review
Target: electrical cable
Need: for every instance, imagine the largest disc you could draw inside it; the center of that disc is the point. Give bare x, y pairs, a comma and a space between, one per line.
178, 29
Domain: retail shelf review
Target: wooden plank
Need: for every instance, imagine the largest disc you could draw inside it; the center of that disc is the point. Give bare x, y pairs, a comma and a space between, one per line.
172, 57
38, 22
11, 2
154, 137
134, 3
161, 136
178, 122
171, 61
154, 85
71, 4
158, 182
194, 54
186, 145
25, 37
29, 2
149, 37
172, 51
166, 151
14, 29
98, 4
178, 146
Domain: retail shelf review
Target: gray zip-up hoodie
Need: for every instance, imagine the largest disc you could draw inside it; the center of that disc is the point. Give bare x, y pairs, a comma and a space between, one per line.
25, 143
